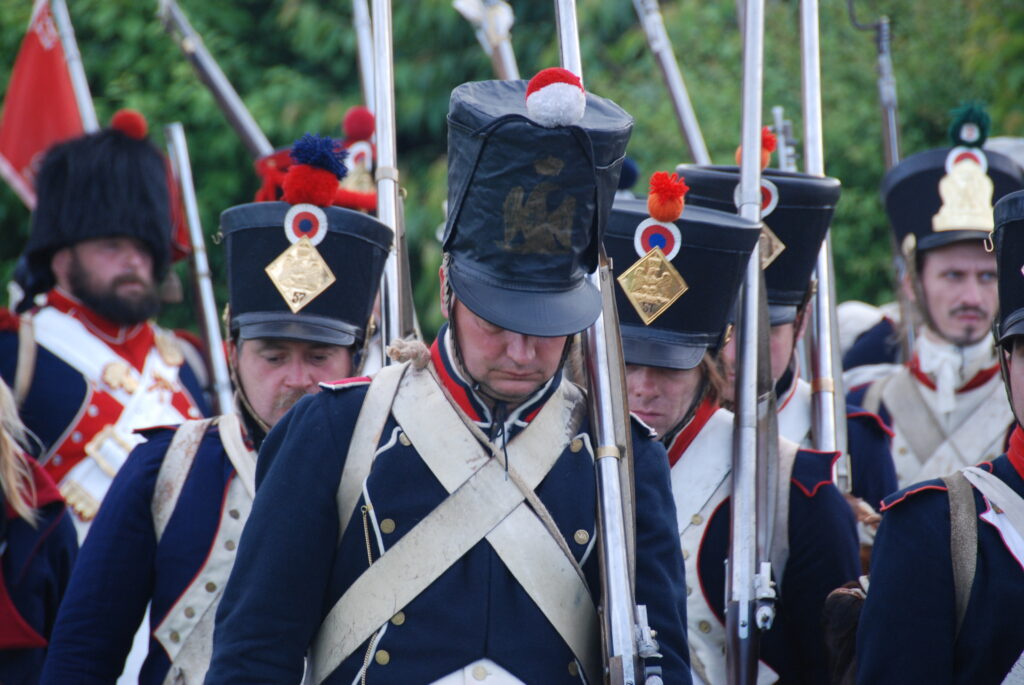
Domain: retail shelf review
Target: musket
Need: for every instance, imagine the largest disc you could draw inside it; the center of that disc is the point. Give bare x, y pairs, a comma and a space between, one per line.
661, 47
181, 167
786, 149
626, 637
749, 592
828, 402
891, 152
364, 44
492, 22
73, 59
210, 73
398, 318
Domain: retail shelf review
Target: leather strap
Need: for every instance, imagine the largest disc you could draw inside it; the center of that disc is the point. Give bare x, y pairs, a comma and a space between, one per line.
963, 541
485, 501
365, 439
241, 457
174, 471
26, 367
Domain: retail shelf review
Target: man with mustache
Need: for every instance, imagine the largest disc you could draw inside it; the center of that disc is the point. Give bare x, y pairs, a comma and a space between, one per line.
168, 530
84, 360
945, 597
946, 405
438, 523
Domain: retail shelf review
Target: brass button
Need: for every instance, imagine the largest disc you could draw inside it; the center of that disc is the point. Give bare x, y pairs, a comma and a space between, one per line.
576, 445
574, 670
382, 657
211, 586
404, 439
175, 638
234, 514
686, 554
697, 519
399, 618
229, 545
189, 612
581, 536
480, 673
704, 627
387, 526
93, 410
193, 412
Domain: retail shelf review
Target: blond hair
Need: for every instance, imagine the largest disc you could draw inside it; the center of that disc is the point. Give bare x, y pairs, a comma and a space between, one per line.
16, 481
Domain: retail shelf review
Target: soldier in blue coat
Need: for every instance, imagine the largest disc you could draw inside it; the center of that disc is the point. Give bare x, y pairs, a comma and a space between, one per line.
168, 530
947, 580
669, 336
85, 362
945, 404
37, 550
797, 211
438, 523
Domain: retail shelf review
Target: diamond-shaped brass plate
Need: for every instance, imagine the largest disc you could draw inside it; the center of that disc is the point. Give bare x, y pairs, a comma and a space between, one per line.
771, 247
300, 274
652, 284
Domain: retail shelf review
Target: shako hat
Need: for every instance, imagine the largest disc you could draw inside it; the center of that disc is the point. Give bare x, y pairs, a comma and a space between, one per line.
110, 183
532, 171
945, 195
676, 278
796, 210
1009, 244
303, 269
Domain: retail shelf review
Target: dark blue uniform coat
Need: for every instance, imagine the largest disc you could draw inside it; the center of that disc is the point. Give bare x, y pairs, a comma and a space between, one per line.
907, 631
35, 562
121, 567
291, 568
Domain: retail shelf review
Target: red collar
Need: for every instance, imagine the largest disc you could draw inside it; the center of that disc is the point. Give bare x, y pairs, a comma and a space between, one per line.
1016, 451
686, 436
131, 342
46, 490
980, 378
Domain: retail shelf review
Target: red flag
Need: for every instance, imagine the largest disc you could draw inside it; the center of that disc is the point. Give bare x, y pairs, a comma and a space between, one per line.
39, 107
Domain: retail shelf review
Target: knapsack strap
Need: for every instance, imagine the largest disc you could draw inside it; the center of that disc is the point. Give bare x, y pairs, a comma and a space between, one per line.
963, 541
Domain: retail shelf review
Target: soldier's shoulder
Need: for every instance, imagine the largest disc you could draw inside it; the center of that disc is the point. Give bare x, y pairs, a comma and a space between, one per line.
812, 471
860, 419
920, 494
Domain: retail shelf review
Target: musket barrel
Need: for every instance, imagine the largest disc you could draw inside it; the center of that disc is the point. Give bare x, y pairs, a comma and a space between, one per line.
398, 319
210, 73
182, 167
661, 47
742, 630
828, 400
364, 43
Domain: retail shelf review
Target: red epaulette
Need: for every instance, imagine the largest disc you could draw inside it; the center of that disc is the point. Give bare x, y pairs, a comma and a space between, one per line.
346, 383
9, 321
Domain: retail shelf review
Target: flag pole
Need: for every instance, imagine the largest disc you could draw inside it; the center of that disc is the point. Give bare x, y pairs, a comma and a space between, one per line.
75, 67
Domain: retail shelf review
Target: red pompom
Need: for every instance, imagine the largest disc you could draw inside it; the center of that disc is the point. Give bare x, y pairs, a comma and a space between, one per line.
130, 122
359, 123
304, 183
546, 77
665, 203
768, 140
555, 97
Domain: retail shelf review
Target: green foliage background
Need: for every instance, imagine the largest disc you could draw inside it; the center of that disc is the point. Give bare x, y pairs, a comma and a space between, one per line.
294, 64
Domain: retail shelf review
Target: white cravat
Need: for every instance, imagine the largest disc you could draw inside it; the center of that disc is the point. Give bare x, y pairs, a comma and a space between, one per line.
951, 366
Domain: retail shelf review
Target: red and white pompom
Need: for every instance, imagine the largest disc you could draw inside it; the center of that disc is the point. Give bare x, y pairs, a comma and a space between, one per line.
555, 97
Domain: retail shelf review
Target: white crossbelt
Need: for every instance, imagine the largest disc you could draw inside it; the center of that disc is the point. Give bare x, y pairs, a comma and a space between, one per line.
485, 502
